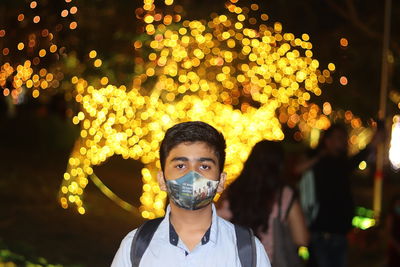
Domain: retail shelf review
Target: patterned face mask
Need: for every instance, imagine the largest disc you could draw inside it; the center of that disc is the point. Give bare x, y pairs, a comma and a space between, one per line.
192, 191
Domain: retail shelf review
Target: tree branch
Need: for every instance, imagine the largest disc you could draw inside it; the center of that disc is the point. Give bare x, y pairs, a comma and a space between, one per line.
351, 14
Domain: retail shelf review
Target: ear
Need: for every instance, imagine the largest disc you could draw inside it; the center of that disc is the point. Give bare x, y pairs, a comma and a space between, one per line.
161, 181
221, 185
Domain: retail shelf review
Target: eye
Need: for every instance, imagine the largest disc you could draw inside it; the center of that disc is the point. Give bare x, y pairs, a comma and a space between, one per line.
180, 166
205, 167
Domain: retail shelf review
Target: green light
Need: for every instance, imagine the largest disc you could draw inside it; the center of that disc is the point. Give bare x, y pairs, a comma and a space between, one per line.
303, 253
364, 218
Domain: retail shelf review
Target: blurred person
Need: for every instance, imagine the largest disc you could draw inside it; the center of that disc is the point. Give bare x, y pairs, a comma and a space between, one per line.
330, 167
191, 233
252, 199
393, 229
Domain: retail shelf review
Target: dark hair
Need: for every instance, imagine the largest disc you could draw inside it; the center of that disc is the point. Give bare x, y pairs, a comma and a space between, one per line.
336, 127
333, 128
252, 195
193, 131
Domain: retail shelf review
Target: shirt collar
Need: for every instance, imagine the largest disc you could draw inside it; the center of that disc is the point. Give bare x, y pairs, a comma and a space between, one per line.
211, 234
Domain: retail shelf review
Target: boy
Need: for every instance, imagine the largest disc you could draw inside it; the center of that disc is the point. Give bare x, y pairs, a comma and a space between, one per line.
192, 155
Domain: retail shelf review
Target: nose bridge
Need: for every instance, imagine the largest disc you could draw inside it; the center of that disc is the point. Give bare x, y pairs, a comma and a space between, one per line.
193, 165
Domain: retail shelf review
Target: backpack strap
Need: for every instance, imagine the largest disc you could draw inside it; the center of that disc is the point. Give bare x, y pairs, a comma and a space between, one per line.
246, 246
245, 242
286, 213
142, 238
292, 199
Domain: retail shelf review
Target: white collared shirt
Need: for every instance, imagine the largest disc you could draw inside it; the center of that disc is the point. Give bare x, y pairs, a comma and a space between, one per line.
217, 248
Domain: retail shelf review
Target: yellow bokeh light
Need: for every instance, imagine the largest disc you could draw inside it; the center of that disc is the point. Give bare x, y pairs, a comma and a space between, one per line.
97, 63
20, 46
53, 48
81, 210
42, 53
200, 71
362, 165
93, 54
104, 81
35, 93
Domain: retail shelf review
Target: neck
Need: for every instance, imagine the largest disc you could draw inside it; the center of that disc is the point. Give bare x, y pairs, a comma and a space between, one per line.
190, 219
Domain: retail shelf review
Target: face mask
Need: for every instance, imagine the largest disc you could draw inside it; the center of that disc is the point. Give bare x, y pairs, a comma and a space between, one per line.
192, 191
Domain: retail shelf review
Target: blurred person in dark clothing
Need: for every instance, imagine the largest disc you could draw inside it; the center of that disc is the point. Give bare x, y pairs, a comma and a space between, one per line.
393, 228
330, 167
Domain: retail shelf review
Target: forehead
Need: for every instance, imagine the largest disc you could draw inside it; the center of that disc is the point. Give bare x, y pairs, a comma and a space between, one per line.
192, 150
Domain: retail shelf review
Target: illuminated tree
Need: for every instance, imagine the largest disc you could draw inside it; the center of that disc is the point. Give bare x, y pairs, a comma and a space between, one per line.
229, 71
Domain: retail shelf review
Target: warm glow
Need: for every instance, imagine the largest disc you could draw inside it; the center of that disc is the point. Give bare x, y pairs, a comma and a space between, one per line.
394, 151
42, 53
21, 17
33, 4
344, 42
64, 13
53, 48
36, 19
97, 63
73, 10
199, 71
73, 25
20, 46
362, 165
327, 109
93, 54
343, 80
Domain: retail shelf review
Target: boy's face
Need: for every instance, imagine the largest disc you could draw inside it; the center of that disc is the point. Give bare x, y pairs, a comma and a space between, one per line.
192, 156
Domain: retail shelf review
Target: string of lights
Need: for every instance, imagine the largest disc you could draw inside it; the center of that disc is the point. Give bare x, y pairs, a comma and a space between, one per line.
30, 58
236, 71
212, 71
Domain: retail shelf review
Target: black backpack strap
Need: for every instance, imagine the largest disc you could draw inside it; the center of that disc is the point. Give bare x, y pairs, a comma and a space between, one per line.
246, 246
142, 238
292, 199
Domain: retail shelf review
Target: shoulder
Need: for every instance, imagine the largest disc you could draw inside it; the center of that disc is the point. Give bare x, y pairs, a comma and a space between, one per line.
225, 225
228, 230
261, 254
122, 257
288, 196
127, 240
287, 192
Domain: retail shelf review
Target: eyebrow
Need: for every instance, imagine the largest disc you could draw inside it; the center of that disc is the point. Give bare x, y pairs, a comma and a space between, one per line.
198, 159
